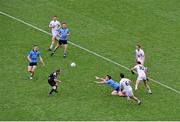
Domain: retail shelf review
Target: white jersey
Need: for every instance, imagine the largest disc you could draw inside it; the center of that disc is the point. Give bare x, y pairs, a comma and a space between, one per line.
140, 70
125, 83
140, 55
127, 89
54, 25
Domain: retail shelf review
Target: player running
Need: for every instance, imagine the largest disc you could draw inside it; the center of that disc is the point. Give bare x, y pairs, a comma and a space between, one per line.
141, 76
127, 89
53, 81
54, 25
140, 56
63, 34
115, 85
33, 59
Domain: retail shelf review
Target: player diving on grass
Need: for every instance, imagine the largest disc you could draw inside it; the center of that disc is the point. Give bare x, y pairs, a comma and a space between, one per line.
63, 34
126, 88
54, 25
53, 81
141, 76
33, 59
115, 85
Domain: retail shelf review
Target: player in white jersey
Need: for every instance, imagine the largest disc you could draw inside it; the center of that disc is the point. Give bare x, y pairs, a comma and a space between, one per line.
141, 76
127, 89
140, 56
54, 25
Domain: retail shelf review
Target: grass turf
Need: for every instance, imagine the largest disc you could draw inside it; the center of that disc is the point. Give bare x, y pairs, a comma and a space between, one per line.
110, 28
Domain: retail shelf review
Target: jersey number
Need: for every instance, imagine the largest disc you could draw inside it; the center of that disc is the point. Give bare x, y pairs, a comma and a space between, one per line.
141, 67
127, 83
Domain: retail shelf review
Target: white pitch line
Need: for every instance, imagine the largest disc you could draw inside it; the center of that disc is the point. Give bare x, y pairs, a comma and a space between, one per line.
91, 52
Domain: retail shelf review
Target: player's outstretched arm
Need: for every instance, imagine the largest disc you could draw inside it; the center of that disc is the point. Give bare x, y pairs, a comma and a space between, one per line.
56, 80
132, 70
100, 80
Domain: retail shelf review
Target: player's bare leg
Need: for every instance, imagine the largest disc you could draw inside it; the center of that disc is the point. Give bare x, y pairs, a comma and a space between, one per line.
65, 50
121, 94
30, 71
137, 84
52, 90
147, 87
136, 99
57, 46
52, 44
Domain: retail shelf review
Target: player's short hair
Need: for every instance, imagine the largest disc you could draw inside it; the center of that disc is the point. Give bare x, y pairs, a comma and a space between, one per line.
54, 16
63, 23
138, 62
122, 75
34, 45
58, 70
138, 45
109, 76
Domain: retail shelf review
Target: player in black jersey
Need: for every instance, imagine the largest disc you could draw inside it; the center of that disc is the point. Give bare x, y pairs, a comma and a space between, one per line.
53, 81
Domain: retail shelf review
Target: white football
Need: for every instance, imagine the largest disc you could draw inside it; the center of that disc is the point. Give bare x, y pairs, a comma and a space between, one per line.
73, 64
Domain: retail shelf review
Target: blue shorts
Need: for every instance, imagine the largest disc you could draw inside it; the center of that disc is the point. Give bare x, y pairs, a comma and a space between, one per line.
62, 42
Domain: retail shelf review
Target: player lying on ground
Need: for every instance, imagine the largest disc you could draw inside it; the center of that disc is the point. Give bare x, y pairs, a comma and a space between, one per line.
126, 88
54, 25
63, 34
141, 76
53, 81
33, 59
108, 80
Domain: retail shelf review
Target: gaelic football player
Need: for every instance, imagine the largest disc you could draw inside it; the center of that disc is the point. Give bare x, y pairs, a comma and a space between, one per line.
140, 56
127, 89
115, 85
33, 59
141, 76
63, 34
54, 25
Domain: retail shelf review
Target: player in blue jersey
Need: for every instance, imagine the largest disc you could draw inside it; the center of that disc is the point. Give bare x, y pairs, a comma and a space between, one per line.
33, 59
63, 38
115, 85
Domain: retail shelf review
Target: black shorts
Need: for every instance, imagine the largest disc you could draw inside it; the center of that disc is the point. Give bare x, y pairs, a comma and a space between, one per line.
33, 64
51, 82
62, 42
117, 89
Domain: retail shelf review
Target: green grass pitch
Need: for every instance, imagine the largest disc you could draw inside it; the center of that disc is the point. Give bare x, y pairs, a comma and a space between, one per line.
110, 28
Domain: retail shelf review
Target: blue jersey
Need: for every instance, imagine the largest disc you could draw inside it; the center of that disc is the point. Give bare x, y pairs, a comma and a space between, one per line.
112, 83
33, 55
63, 33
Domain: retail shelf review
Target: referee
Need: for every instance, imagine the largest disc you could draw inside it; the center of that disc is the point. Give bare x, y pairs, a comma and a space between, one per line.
53, 81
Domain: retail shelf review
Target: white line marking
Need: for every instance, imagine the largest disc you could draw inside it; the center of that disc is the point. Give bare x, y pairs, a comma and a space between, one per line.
91, 52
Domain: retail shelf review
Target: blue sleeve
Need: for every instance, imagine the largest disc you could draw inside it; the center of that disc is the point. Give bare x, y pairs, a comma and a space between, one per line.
38, 54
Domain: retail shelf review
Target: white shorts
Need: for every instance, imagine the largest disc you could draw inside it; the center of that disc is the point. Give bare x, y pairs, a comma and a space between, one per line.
128, 92
141, 78
54, 34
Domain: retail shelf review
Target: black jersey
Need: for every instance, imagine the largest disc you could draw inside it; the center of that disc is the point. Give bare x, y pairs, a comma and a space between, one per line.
53, 75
